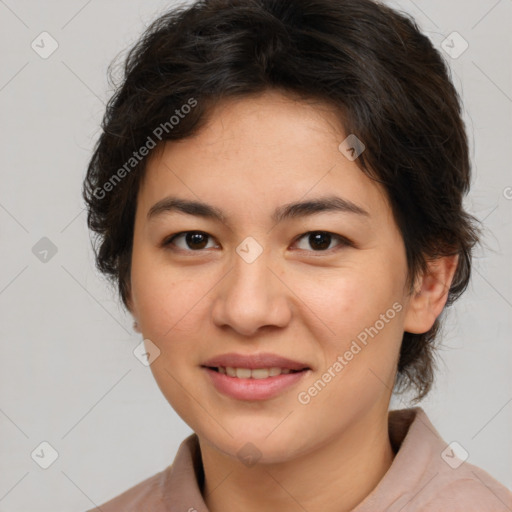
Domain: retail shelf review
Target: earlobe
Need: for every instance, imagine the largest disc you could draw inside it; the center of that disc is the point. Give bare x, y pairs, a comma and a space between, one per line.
131, 309
430, 294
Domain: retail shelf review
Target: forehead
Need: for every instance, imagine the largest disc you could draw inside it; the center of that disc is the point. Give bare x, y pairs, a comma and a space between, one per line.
257, 153
271, 119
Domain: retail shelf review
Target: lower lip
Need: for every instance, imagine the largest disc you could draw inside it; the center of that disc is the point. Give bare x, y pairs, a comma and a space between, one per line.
253, 389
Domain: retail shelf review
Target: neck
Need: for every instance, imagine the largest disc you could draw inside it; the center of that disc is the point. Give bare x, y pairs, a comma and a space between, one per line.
335, 477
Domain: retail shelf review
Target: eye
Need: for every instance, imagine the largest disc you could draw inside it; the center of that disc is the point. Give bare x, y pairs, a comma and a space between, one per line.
195, 240
321, 240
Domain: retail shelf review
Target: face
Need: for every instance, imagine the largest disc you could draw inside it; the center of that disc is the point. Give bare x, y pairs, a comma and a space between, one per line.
324, 286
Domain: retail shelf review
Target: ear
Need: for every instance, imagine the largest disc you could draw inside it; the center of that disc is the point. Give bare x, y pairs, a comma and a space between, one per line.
430, 294
131, 309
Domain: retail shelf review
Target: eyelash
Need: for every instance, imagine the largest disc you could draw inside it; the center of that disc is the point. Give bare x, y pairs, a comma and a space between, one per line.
345, 242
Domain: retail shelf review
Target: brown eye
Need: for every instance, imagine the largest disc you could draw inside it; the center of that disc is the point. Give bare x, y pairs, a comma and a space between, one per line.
197, 241
320, 241
189, 240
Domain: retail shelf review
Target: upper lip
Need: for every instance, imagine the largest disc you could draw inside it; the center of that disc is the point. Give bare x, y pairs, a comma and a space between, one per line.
264, 360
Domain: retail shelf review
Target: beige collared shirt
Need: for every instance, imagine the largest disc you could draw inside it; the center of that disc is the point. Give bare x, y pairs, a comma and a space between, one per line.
425, 476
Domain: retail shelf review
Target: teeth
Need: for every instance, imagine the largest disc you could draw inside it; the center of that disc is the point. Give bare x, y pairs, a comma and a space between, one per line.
257, 373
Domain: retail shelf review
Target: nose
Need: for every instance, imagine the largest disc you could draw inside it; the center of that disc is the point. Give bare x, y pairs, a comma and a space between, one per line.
251, 297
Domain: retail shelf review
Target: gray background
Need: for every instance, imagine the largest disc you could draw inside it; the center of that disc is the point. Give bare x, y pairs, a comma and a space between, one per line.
68, 375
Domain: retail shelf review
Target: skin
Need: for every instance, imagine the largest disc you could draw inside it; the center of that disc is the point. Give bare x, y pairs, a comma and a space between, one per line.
295, 300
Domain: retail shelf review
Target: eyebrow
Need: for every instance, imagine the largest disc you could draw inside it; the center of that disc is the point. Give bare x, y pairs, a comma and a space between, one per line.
287, 211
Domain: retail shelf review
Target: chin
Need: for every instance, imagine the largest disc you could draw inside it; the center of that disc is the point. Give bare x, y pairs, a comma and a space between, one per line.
255, 445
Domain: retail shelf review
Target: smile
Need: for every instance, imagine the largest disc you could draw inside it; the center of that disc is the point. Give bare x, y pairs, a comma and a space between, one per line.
256, 373
253, 384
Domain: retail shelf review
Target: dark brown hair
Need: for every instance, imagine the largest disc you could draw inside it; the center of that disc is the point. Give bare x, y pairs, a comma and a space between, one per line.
388, 83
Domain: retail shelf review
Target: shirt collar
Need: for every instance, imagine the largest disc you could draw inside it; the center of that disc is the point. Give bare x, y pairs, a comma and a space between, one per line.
184, 479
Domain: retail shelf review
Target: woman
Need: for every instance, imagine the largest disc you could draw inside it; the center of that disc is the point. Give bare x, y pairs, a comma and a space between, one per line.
278, 195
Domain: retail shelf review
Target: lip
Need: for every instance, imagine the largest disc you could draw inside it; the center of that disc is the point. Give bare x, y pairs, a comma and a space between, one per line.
253, 361
253, 389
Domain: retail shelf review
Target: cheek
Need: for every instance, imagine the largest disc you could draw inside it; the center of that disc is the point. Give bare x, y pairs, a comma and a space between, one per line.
170, 300
348, 299
337, 301
362, 307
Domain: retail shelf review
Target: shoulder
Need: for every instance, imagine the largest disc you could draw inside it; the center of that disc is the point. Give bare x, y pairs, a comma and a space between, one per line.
146, 495
428, 476
470, 490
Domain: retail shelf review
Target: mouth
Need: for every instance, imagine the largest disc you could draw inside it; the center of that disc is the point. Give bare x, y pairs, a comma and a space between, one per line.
249, 384
253, 373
